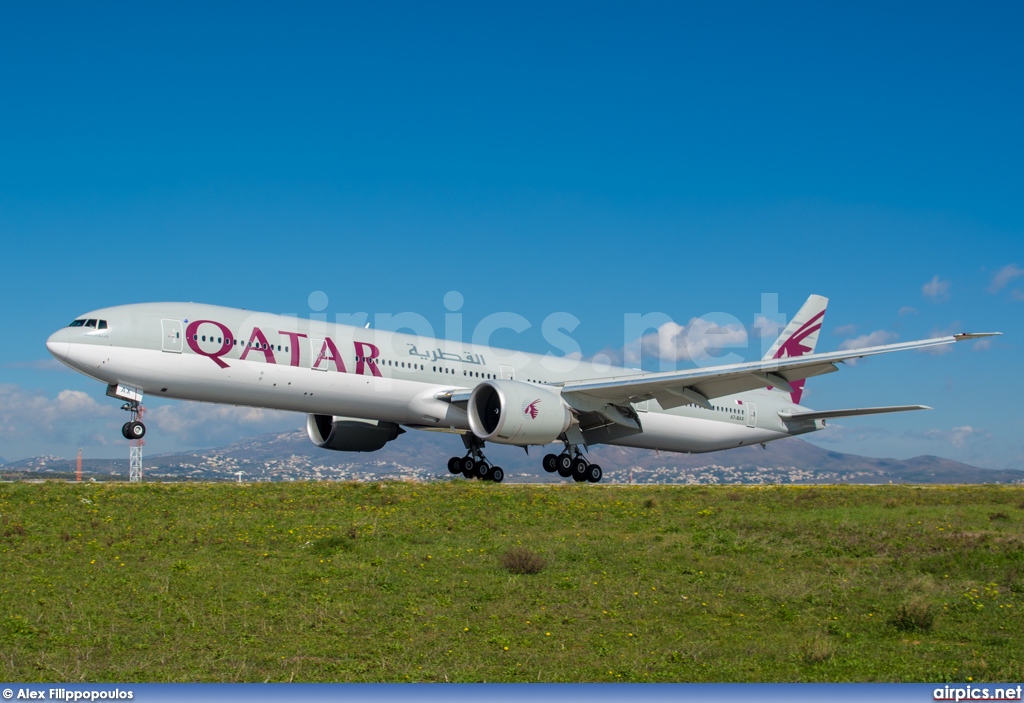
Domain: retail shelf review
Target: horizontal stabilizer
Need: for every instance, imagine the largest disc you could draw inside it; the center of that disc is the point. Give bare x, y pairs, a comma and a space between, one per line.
849, 412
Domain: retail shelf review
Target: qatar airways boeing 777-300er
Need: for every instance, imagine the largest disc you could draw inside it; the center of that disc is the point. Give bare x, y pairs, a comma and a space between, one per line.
360, 387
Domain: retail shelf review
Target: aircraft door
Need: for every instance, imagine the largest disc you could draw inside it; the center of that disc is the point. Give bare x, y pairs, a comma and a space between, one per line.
751, 415
318, 350
172, 340
507, 372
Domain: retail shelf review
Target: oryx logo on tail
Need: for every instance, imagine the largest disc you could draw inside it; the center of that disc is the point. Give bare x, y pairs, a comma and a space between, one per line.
799, 338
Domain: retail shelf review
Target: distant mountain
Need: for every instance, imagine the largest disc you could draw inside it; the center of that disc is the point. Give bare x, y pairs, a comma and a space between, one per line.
424, 455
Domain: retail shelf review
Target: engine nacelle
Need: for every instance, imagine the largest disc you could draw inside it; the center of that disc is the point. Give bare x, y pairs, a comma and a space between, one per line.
350, 434
513, 412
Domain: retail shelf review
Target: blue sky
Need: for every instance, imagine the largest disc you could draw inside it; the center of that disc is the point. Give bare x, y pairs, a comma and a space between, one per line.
596, 159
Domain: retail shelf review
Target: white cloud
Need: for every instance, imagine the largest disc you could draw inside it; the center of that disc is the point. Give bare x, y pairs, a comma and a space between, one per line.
942, 332
958, 436
907, 310
845, 330
764, 326
197, 424
983, 344
1003, 276
873, 339
31, 414
936, 289
692, 342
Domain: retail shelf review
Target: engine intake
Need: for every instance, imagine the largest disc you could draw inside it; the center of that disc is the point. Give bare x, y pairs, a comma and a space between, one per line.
513, 412
350, 434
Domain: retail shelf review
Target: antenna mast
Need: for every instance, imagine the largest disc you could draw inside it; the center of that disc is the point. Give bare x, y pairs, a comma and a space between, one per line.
78, 466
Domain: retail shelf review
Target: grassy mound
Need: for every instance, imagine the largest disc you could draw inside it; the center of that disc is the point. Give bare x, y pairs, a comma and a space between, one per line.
465, 581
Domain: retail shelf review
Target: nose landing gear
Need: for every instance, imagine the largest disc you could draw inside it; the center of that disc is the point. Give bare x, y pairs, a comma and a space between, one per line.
133, 429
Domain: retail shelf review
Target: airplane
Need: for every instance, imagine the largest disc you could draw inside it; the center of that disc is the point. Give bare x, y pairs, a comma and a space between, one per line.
361, 388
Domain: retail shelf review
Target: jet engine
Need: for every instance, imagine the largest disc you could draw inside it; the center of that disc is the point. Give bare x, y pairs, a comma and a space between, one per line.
350, 434
513, 412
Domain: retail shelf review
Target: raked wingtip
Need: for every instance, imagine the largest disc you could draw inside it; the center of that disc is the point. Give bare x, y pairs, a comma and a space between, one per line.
963, 336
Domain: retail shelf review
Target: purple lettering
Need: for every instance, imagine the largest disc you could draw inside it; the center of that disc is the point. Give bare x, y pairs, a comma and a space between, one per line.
193, 343
261, 346
328, 353
294, 336
362, 353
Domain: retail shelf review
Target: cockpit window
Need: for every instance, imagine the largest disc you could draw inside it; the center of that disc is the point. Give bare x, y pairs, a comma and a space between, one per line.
94, 324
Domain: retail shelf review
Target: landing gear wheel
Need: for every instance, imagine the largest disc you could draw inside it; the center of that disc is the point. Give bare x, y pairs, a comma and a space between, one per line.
550, 463
483, 470
579, 479
497, 474
136, 430
594, 473
579, 468
453, 465
564, 467
124, 430
468, 465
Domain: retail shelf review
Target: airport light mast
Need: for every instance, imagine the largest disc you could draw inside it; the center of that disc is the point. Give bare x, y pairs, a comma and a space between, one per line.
135, 455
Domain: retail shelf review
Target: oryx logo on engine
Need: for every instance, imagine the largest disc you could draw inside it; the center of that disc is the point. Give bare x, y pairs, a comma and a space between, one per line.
531, 409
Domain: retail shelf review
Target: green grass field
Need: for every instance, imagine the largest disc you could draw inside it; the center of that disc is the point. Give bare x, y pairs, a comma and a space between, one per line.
405, 582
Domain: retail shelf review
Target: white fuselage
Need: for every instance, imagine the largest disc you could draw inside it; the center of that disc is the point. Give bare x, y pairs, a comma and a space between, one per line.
224, 355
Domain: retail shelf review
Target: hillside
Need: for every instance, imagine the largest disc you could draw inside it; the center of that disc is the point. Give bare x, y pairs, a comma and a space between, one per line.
423, 456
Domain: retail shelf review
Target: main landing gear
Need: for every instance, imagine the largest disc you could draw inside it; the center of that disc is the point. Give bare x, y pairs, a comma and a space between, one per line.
475, 464
572, 463
476, 467
133, 429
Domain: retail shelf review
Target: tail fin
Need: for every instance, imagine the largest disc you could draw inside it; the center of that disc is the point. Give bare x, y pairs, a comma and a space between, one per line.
800, 337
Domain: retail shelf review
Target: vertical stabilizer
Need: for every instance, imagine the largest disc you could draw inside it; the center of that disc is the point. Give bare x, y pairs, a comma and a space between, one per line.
800, 337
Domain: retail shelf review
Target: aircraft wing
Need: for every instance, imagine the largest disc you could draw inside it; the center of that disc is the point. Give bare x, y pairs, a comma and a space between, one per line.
849, 412
700, 386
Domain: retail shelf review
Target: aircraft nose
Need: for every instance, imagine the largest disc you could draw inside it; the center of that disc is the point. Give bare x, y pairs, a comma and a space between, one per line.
59, 344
